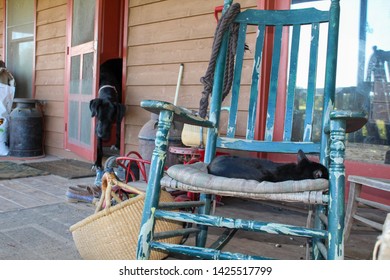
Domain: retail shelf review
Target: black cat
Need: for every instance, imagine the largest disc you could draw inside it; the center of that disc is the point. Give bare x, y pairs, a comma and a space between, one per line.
266, 170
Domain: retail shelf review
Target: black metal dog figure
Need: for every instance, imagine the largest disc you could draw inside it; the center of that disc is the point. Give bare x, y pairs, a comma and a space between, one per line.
107, 108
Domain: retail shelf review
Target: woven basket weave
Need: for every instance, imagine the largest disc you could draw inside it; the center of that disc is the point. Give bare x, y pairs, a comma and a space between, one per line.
112, 233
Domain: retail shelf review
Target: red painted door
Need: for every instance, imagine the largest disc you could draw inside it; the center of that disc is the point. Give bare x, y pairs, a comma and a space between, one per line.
82, 62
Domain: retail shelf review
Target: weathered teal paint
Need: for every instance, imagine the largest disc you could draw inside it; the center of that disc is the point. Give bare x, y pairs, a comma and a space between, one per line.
153, 188
249, 225
288, 120
327, 233
254, 93
336, 191
231, 130
312, 78
203, 253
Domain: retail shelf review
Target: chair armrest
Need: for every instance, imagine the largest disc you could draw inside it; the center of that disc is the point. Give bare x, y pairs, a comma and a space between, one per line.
354, 120
180, 114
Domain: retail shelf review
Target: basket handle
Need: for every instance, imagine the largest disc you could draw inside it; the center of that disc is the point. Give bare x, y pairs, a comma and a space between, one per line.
108, 182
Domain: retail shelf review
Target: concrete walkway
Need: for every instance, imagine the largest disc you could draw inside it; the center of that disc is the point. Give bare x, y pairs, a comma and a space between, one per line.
35, 218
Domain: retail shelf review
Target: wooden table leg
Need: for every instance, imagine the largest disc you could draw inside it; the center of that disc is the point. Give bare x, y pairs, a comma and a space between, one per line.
354, 192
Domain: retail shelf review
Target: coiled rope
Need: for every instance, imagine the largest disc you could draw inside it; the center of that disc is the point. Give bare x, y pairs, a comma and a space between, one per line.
207, 80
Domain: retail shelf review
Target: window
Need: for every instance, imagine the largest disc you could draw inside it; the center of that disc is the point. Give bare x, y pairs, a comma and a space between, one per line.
363, 81
20, 44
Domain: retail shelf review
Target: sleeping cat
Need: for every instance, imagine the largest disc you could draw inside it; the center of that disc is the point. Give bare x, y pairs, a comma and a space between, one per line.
266, 170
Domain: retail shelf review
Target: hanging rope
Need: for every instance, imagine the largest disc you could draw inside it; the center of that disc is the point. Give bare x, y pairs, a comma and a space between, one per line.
207, 80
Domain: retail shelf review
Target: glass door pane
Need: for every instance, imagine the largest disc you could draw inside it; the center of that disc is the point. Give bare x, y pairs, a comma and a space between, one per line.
83, 22
20, 44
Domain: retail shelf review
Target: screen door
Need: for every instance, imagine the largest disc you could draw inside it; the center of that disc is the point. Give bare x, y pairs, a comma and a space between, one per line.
81, 76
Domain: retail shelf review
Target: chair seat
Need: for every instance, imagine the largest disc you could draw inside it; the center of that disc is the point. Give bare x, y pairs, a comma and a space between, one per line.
194, 178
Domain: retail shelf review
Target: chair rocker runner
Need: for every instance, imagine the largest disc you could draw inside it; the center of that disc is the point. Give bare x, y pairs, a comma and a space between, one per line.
323, 134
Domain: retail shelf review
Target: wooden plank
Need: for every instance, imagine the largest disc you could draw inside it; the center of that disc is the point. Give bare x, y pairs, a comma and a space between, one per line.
50, 61
368, 222
273, 83
311, 86
292, 83
131, 135
166, 74
377, 183
176, 9
51, 15
135, 3
55, 124
374, 204
50, 31
136, 116
54, 109
50, 93
51, 46
131, 147
169, 31
189, 95
54, 140
252, 106
283, 17
61, 152
50, 77
47, 4
177, 52
236, 85
173, 52
266, 146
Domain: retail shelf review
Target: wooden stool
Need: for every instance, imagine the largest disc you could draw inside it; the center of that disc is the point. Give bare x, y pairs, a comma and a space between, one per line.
355, 187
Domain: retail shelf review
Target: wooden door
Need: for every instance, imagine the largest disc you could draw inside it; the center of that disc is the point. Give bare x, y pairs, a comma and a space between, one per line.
82, 62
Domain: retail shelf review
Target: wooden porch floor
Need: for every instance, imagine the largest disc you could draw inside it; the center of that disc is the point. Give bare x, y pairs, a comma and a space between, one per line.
35, 219
359, 245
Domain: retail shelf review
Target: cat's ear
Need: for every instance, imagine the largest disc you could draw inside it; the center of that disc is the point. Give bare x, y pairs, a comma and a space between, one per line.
301, 156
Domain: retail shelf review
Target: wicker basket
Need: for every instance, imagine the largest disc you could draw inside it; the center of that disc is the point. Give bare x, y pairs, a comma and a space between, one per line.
112, 233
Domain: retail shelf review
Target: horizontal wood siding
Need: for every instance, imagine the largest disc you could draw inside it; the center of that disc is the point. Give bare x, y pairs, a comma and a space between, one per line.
161, 36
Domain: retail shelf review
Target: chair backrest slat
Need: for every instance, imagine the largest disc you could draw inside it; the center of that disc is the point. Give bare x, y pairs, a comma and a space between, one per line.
273, 88
311, 87
231, 131
267, 146
288, 120
254, 90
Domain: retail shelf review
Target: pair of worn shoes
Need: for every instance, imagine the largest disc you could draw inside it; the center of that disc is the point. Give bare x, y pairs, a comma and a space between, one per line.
83, 193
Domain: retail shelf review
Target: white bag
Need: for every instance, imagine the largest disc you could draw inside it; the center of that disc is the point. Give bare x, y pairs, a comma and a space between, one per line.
3, 136
6, 99
7, 92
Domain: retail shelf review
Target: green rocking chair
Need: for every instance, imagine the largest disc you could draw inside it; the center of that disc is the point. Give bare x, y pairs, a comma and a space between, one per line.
323, 133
